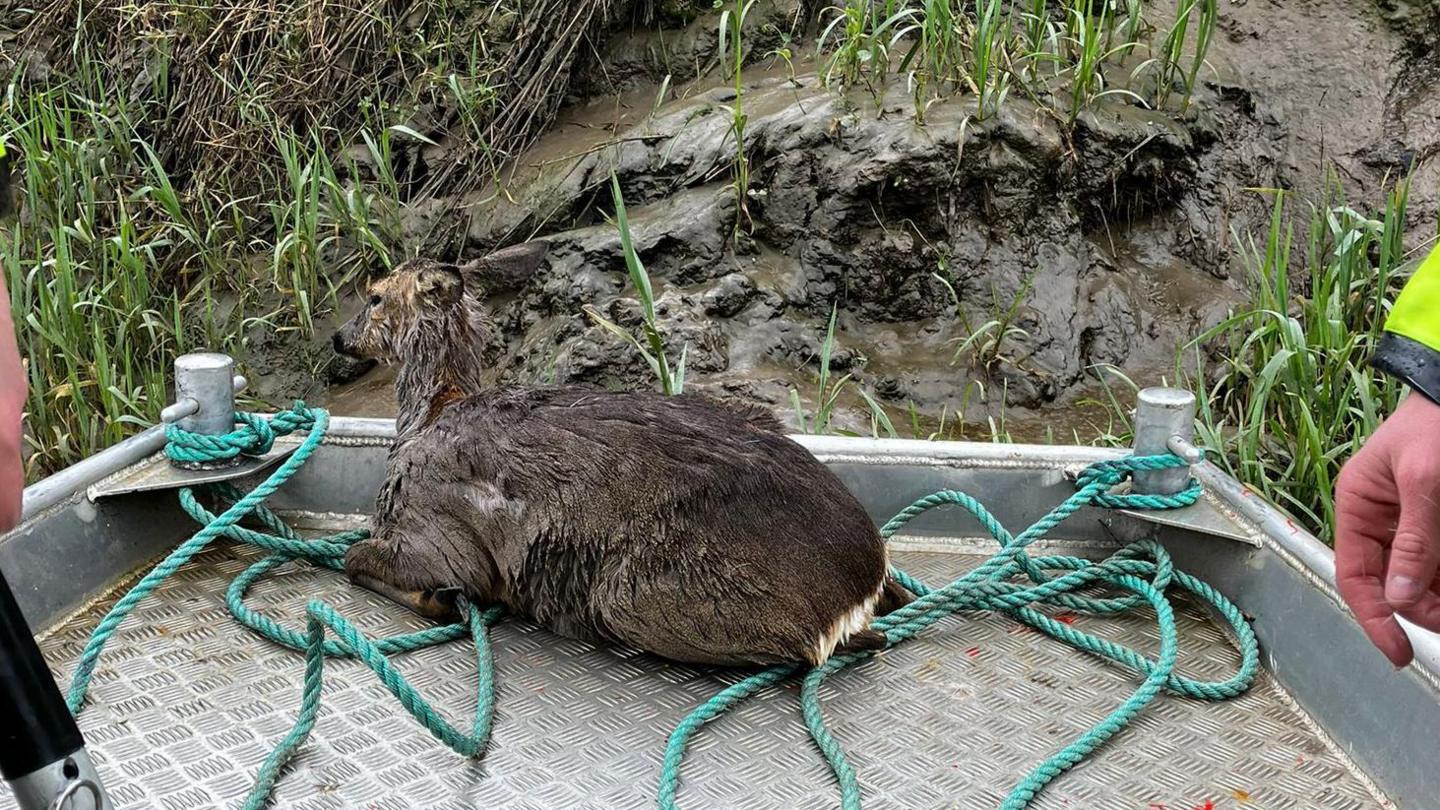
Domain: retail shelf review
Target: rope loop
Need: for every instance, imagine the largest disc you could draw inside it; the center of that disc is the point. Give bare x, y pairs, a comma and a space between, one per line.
1108, 474
255, 436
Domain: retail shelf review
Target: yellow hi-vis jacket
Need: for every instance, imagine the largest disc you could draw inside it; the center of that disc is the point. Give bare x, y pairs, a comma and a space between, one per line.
1410, 349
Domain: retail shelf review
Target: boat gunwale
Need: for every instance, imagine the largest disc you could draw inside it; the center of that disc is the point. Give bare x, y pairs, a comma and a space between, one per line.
1276, 530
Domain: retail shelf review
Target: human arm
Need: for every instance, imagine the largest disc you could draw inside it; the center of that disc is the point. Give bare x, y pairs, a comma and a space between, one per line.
12, 404
1387, 502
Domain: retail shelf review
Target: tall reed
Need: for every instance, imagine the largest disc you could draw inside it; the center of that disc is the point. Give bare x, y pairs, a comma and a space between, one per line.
732, 26
672, 380
988, 70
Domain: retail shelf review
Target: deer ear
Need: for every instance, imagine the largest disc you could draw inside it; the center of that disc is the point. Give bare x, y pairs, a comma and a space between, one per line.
440, 284
506, 269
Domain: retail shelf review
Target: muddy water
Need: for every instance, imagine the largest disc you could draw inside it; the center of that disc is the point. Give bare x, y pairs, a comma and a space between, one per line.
371, 395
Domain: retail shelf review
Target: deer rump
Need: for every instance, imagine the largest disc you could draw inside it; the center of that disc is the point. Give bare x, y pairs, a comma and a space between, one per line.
689, 529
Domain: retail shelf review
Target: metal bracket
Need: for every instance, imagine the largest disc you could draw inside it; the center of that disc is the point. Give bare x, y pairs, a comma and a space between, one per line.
1203, 517
156, 473
205, 389
1165, 423
71, 783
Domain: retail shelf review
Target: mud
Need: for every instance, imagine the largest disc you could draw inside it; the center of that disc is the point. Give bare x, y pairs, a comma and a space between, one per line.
1108, 246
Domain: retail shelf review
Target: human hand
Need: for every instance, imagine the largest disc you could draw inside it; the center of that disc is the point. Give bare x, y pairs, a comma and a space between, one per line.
1387, 532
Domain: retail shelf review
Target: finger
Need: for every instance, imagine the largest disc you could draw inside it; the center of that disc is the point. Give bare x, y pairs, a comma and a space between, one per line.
1389, 637
1364, 510
1366, 597
1426, 612
1415, 551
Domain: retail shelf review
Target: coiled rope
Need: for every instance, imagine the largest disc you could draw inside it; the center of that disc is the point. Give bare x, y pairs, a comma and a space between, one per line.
1142, 570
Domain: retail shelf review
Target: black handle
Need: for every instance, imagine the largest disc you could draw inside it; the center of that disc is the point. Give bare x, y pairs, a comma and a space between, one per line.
36, 728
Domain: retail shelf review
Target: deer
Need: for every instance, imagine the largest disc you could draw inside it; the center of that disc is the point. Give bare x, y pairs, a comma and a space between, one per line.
691, 529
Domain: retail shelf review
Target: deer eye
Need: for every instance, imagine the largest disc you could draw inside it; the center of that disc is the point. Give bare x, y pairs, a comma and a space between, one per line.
374, 300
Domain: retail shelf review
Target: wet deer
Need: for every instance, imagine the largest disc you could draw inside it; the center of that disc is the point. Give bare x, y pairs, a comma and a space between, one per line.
678, 525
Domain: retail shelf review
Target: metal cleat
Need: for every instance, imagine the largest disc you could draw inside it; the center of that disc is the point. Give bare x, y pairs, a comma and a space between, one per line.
205, 389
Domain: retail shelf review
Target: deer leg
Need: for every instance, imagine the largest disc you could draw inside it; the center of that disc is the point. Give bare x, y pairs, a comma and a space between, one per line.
385, 569
432, 603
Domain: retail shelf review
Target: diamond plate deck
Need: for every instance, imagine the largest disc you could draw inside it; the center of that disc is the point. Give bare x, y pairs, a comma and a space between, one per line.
186, 704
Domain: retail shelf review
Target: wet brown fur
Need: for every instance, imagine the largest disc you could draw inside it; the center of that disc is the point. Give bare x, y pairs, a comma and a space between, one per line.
696, 531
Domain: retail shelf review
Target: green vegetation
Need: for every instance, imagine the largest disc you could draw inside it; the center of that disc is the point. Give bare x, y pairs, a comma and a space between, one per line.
115, 269
828, 393
179, 190
1291, 395
1088, 37
1056, 54
672, 380
732, 61
1286, 395
860, 38
986, 345
1169, 60
987, 76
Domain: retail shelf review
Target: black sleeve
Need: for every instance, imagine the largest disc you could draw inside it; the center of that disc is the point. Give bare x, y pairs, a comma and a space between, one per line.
1411, 361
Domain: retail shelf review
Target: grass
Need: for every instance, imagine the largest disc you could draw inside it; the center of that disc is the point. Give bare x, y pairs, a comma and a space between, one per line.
988, 77
672, 380
1090, 35
1204, 34
986, 345
114, 268
732, 59
1134, 20
216, 76
216, 198
1038, 32
97, 354
860, 37
1169, 60
987, 47
828, 393
1292, 396
785, 52
1286, 395
940, 49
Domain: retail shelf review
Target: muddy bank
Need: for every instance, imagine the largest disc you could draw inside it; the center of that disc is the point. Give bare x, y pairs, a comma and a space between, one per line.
983, 267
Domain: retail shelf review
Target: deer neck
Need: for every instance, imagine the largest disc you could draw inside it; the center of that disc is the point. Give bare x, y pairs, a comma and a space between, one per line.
442, 365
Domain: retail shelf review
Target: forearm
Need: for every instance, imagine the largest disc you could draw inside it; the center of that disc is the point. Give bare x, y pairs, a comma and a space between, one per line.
1410, 349
12, 404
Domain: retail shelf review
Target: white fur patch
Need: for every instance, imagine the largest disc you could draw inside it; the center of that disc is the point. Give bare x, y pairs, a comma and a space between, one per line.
847, 624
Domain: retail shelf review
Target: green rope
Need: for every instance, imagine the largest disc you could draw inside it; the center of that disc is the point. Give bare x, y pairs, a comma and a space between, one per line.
1142, 570
322, 616
299, 418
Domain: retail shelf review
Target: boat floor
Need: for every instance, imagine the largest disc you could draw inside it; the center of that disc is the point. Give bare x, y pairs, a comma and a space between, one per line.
186, 704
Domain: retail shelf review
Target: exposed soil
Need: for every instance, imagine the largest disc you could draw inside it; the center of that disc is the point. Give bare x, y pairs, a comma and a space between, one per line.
1115, 242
